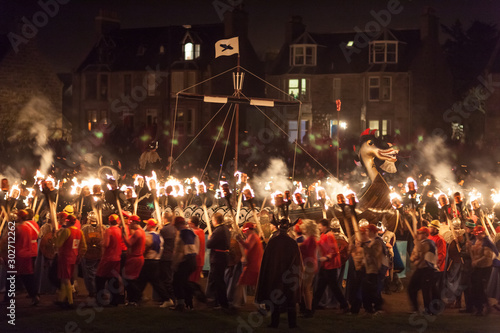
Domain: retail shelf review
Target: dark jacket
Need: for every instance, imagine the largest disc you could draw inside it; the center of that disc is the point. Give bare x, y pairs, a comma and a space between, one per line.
219, 242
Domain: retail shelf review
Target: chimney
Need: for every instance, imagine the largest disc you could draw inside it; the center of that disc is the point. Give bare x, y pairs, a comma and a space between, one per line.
235, 23
294, 28
106, 21
429, 25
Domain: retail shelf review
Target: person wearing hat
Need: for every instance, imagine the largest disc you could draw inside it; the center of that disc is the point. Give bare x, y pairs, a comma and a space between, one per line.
218, 243
184, 264
441, 245
150, 271
423, 258
329, 257
93, 234
108, 270
136, 244
71, 211
281, 259
71, 247
482, 253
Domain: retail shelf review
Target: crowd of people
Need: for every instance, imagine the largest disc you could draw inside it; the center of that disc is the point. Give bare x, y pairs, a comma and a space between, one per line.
120, 243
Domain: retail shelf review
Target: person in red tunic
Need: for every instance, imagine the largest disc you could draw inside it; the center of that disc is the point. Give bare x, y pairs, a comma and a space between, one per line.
253, 257
308, 249
194, 223
109, 266
23, 264
441, 258
34, 232
72, 246
136, 245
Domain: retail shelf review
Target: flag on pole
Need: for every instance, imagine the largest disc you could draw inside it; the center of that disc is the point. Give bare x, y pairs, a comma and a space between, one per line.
227, 47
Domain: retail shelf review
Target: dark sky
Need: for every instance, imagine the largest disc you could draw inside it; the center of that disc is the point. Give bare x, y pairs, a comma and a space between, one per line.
68, 35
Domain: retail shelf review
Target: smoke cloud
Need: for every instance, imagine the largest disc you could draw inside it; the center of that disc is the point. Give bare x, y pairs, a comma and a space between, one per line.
34, 122
278, 173
437, 158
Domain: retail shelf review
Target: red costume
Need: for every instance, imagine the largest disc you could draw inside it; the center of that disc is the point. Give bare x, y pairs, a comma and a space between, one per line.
328, 248
24, 264
308, 249
135, 255
253, 255
34, 232
70, 241
441, 251
200, 257
109, 265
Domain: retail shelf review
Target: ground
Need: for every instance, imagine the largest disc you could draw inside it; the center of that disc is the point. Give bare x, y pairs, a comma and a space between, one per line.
148, 317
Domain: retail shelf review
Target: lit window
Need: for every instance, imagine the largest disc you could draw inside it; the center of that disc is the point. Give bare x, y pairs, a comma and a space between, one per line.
383, 52
191, 51
298, 89
104, 117
382, 127
303, 55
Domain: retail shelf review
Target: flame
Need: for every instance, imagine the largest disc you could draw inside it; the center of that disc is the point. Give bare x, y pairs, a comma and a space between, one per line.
495, 196
75, 188
238, 174
136, 181
38, 176
350, 192
395, 196
320, 190
247, 190
14, 187
268, 186
275, 194
410, 180
298, 194
439, 195
177, 188
155, 181
427, 182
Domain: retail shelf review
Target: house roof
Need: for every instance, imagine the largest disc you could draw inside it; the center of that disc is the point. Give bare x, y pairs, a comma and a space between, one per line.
137, 49
333, 56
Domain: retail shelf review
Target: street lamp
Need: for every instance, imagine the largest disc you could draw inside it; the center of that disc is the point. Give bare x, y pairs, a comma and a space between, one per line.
338, 132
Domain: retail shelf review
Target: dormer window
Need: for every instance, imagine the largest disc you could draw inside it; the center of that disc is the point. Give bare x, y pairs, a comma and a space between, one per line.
383, 52
191, 51
190, 47
302, 55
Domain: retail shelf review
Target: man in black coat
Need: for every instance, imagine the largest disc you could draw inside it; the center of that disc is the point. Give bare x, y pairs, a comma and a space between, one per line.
218, 243
280, 274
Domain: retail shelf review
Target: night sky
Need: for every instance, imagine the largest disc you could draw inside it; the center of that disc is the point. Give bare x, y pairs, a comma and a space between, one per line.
68, 35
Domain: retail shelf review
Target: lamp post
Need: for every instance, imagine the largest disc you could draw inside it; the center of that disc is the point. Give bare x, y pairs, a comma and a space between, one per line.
338, 134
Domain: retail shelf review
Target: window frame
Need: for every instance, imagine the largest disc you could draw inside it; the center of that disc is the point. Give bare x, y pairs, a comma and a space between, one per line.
304, 48
374, 54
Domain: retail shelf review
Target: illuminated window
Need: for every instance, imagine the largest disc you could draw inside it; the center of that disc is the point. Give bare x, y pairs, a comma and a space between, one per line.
298, 88
303, 55
191, 51
104, 117
383, 52
382, 127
